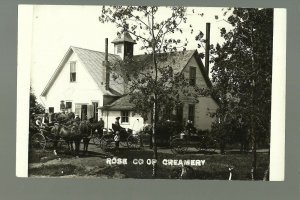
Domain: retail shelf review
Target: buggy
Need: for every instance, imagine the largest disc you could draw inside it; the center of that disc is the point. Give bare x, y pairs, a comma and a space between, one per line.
127, 138
182, 142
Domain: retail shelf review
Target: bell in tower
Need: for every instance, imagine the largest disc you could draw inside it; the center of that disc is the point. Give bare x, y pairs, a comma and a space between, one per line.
123, 45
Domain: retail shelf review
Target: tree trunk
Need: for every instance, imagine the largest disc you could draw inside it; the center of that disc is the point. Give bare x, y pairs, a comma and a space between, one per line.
253, 132
154, 140
254, 157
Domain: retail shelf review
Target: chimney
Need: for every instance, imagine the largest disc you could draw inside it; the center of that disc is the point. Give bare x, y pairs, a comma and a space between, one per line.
207, 46
106, 64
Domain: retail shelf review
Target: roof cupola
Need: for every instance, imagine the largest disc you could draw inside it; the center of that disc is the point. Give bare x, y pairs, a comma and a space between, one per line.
123, 45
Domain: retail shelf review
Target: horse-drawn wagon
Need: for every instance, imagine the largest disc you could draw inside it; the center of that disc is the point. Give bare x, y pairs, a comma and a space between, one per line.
42, 138
66, 129
128, 138
182, 142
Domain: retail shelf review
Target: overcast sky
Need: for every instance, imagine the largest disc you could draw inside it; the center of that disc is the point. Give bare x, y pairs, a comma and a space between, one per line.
56, 28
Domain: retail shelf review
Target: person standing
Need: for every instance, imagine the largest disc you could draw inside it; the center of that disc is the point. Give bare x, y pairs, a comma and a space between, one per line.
117, 126
189, 128
101, 123
77, 119
45, 120
100, 127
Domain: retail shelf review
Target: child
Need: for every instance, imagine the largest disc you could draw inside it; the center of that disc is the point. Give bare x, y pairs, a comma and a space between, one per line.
117, 140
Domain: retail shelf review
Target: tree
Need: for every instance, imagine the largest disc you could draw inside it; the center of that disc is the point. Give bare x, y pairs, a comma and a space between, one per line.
153, 85
242, 74
34, 106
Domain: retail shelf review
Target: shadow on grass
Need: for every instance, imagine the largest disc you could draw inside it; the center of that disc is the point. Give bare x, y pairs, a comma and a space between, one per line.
215, 168
57, 170
93, 154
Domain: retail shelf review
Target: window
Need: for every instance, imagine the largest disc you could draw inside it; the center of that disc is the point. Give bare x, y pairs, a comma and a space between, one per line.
125, 117
179, 113
62, 105
192, 76
191, 113
69, 106
51, 109
119, 48
72, 71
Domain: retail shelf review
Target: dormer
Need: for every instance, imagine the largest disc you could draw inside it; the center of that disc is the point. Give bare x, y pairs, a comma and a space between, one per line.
123, 45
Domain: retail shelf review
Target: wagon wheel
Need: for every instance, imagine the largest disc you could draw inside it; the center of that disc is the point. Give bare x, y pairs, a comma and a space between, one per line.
96, 140
178, 146
106, 142
133, 141
123, 143
211, 145
38, 141
123, 140
202, 146
49, 142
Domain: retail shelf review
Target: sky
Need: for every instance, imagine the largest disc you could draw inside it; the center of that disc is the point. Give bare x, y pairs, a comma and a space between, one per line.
55, 28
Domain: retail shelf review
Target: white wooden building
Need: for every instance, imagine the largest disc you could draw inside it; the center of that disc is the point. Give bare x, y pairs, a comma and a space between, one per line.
82, 84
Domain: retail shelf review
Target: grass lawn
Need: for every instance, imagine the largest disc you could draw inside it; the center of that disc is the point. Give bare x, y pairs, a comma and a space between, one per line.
215, 167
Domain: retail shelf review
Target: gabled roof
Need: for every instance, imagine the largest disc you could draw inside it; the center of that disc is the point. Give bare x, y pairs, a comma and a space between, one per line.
93, 62
178, 60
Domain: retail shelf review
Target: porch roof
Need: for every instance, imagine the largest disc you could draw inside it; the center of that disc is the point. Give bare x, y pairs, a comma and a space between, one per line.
122, 103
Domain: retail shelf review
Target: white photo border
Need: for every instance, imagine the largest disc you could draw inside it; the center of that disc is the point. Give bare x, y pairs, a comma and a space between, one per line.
277, 148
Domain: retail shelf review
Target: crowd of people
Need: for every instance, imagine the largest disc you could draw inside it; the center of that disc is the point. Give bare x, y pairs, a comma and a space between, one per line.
48, 120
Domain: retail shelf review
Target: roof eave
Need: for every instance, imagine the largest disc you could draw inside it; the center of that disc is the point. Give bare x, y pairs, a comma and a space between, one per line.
206, 78
109, 108
57, 71
122, 41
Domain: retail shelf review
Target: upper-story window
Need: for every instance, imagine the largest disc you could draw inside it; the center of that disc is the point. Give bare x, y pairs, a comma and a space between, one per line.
72, 71
192, 76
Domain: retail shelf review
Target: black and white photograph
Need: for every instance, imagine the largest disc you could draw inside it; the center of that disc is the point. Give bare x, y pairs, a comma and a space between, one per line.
151, 92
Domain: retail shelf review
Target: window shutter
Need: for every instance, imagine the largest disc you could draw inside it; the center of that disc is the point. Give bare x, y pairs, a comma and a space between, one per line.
78, 109
90, 111
191, 116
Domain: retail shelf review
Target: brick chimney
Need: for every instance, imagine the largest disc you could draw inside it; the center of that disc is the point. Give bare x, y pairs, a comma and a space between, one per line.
106, 64
207, 46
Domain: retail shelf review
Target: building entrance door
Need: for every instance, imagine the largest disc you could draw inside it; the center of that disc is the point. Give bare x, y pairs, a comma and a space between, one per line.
83, 112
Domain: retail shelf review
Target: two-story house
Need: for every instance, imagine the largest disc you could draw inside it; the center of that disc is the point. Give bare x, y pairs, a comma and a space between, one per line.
82, 84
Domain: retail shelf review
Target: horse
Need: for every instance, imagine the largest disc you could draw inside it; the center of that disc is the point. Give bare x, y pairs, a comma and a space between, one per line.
73, 133
69, 134
95, 125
